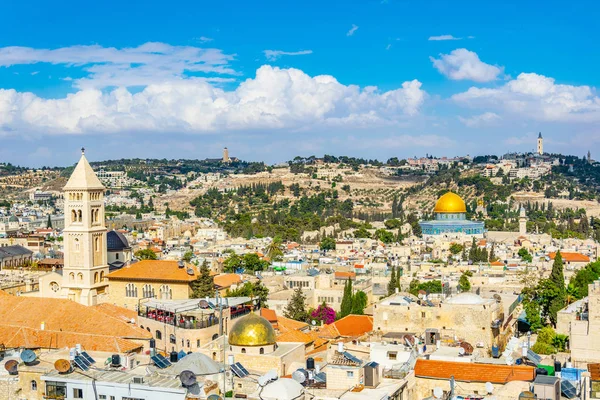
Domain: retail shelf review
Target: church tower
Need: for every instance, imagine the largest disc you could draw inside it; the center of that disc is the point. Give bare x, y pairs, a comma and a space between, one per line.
522, 222
84, 236
540, 144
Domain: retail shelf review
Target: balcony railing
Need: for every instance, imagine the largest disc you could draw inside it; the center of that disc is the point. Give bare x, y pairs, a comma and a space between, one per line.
191, 322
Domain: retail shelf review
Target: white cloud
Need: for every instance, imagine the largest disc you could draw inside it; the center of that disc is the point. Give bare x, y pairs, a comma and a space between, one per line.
204, 39
464, 64
149, 63
273, 55
352, 30
478, 121
275, 99
536, 97
443, 37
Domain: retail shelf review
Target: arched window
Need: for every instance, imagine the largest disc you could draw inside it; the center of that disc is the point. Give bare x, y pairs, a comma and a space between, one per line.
148, 291
76, 244
188, 343
131, 290
214, 356
101, 276
165, 292
54, 287
158, 335
116, 256
262, 351
97, 243
172, 339
243, 351
93, 216
34, 386
95, 277
72, 277
73, 216
80, 277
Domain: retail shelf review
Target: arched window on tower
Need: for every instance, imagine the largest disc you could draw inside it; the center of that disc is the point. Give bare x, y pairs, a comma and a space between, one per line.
79, 216
80, 277
97, 243
73, 216
72, 277
96, 277
76, 244
101, 276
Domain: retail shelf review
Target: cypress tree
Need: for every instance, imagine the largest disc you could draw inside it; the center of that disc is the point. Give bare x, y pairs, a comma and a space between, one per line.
557, 281
392, 283
346, 306
49, 223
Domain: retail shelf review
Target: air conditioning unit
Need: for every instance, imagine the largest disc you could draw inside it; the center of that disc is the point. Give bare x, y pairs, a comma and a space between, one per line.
138, 380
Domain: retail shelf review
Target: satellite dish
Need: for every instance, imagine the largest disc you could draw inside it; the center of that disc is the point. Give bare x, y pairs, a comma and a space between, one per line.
28, 356
262, 380
438, 393
489, 387
180, 264
214, 397
299, 376
409, 340
62, 366
272, 374
188, 378
190, 271
11, 366
461, 351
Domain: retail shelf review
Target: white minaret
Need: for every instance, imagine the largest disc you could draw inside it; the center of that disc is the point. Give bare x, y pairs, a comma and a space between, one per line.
522, 222
84, 236
540, 144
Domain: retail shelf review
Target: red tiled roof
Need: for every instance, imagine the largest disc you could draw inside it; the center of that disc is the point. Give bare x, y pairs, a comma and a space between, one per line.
359, 266
497, 263
226, 280
345, 275
571, 257
268, 314
472, 372
354, 325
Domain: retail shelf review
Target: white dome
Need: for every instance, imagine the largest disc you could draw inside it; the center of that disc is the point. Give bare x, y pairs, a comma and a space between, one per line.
466, 298
282, 389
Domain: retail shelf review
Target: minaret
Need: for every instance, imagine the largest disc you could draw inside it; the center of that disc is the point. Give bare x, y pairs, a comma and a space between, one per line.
540, 144
522, 222
84, 236
226, 158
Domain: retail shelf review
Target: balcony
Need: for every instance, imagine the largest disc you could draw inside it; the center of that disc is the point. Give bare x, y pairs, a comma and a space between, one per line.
191, 319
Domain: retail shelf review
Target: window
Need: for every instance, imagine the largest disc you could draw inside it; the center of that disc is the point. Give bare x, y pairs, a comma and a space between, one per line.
96, 277
158, 335
77, 393
243, 351
197, 342
131, 290
54, 287
76, 244
117, 256
72, 277
34, 386
188, 343
97, 241
56, 390
101, 397
423, 314
80, 277
350, 374
79, 219
172, 339
262, 351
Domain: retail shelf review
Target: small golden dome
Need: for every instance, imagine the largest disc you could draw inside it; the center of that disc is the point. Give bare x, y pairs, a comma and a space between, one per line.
252, 330
450, 203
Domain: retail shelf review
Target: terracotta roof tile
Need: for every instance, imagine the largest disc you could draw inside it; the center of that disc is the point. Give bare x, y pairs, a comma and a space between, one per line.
287, 324
66, 323
571, 257
345, 275
354, 325
295, 336
472, 372
226, 280
269, 314
153, 270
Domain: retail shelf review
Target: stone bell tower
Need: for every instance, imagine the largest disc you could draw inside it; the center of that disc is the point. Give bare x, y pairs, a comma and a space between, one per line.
84, 236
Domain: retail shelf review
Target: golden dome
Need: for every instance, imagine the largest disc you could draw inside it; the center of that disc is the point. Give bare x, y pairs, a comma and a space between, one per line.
252, 330
450, 203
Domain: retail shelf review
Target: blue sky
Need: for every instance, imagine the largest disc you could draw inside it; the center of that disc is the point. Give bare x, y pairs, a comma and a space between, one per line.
272, 80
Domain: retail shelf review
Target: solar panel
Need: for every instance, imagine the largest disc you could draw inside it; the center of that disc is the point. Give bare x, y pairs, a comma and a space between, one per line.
87, 357
321, 377
81, 363
408, 299
239, 370
160, 361
533, 357
567, 389
352, 358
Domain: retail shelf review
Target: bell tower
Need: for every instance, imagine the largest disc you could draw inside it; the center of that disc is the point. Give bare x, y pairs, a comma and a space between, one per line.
84, 236
540, 144
522, 222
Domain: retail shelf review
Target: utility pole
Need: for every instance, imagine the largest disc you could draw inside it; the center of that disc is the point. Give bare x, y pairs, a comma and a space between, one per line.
219, 301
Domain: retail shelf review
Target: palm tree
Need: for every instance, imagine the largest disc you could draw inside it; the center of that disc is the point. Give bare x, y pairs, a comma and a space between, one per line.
274, 249
572, 294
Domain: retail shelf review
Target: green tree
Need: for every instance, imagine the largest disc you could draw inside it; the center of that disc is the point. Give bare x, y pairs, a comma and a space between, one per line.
274, 249
260, 292
557, 279
296, 307
359, 302
327, 244
203, 285
524, 254
146, 254
49, 222
346, 305
187, 257
384, 235
361, 233
232, 263
456, 248
393, 223
463, 283
252, 262
393, 282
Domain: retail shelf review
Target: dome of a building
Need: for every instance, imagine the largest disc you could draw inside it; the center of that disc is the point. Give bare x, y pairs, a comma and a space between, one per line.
282, 389
466, 299
450, 203
252, 330
13, 219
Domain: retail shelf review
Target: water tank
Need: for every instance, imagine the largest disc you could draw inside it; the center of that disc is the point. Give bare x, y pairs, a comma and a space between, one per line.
495, 351
557, 366
152, 343
173, 357
541, 371
115, 360
72, 353
310, 363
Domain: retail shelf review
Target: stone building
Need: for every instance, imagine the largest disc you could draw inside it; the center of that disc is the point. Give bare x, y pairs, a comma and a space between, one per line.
15, 256
451, 220
466, 316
